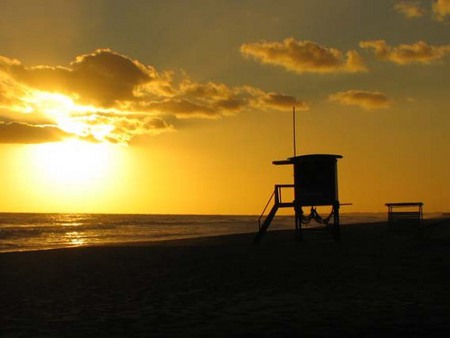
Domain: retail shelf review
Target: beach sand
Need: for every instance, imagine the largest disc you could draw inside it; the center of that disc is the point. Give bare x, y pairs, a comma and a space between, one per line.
374, 282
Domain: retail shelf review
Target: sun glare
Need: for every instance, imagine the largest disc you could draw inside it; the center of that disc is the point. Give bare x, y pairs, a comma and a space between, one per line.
65, 112
72, 163
70, 176
73, 174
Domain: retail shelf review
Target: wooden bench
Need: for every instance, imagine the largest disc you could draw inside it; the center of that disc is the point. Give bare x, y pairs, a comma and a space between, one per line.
413, 215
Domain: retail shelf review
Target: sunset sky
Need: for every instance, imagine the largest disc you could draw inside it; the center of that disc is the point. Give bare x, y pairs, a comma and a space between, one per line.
120, 106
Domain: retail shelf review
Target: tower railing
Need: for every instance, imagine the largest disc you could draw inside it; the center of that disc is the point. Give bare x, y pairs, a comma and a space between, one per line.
277, 196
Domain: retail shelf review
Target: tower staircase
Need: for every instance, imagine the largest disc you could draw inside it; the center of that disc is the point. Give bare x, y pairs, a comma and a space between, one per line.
264, 221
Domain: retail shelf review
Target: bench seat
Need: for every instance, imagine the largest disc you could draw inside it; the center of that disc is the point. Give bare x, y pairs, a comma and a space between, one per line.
397, 214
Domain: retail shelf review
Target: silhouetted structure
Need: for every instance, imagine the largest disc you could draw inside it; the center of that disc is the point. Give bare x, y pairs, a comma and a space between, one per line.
315, 184
413, 214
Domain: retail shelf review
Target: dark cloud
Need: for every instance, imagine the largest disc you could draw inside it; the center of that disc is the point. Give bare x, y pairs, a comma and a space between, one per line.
106, 96
284, 101
13, 132
102, 78
108, 77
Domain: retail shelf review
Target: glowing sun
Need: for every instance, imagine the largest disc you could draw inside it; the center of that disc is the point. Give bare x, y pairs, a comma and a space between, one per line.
72, 163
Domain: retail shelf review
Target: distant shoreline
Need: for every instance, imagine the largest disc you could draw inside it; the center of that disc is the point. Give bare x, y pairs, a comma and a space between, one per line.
443, 213
187, 237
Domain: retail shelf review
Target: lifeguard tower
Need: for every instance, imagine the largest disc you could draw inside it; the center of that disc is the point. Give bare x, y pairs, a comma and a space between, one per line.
315, 184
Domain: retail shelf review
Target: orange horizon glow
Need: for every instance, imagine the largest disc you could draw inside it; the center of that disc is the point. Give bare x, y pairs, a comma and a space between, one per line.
155, 108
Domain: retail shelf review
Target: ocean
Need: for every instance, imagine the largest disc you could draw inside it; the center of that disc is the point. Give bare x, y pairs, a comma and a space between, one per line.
34, 231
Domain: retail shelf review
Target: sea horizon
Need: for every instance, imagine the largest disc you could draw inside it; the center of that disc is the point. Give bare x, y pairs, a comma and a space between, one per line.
41, 231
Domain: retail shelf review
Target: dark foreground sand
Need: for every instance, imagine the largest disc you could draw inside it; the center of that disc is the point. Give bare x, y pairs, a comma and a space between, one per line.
375, 282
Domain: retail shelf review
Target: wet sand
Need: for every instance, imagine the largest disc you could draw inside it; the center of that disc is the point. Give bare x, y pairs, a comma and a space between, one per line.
374, 282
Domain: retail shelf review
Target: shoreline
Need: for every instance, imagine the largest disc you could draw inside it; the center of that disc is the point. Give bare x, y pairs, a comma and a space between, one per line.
193, 239
373, 282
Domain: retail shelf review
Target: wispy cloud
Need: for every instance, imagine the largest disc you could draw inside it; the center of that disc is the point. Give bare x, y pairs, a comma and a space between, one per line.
304, 56
410, 9
419, 52
361, 98
441, 9
108, 97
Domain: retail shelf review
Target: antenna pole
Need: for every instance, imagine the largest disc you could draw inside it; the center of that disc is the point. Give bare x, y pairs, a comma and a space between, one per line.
293, 123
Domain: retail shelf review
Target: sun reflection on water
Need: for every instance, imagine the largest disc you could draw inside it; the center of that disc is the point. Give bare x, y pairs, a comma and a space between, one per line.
71, 224
75, 238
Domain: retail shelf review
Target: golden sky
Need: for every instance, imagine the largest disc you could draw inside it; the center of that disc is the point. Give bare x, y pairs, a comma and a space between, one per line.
181, 106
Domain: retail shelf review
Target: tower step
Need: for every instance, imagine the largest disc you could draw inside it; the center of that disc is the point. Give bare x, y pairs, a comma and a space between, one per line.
266, 224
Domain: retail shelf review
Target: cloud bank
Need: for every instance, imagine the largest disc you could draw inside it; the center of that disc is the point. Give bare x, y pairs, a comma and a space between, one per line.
108, 97
364, 99
304, 56
419, 52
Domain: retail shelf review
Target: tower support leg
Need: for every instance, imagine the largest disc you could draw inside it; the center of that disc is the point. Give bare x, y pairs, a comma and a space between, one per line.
298, 222
336, 225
